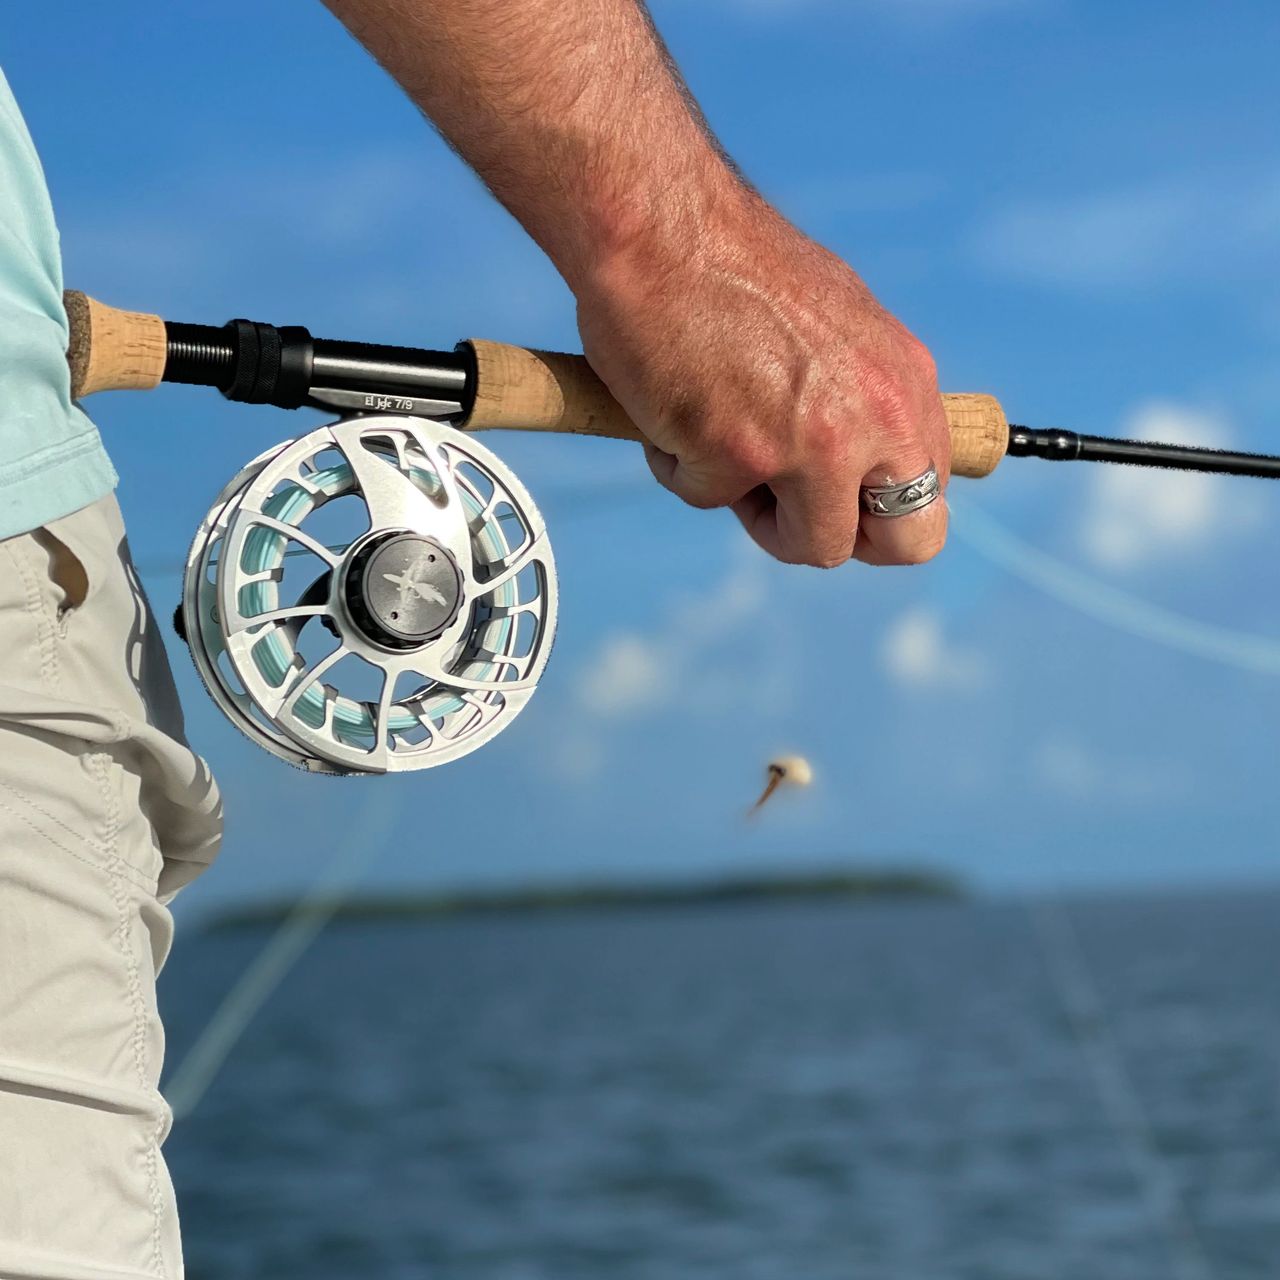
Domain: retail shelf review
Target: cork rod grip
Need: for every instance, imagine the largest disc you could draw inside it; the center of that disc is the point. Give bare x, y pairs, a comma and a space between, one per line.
112, 350
547, 391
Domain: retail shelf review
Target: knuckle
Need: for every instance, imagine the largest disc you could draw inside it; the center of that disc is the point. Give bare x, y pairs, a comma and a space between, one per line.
830, 559
828, 442
793, 555
879, 385
749, 463
826, 554
941, 452
702, 499
891, 401
899, 395
704, 490
925, 549
741, 454
922, 360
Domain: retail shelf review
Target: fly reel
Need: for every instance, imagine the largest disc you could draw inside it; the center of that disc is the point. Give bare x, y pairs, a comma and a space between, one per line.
374, 596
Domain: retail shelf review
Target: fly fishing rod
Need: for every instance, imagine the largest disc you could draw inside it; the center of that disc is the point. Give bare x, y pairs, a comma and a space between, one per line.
379, 594
482, 385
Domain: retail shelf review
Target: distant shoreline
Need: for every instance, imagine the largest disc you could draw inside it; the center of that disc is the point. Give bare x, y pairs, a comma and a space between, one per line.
537, 899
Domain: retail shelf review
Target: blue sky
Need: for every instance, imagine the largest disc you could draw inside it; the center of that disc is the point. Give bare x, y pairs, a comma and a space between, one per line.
1076, 204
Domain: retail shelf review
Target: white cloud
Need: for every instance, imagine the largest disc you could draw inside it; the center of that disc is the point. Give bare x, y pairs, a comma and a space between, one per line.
1064, 765
628, 674
573, 758
1067, 767
916, 653
1157, 233
679, 663
633, 673
1137, 516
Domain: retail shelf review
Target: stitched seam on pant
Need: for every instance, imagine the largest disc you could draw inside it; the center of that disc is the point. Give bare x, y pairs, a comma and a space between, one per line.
111, 833
136, 876
46, 638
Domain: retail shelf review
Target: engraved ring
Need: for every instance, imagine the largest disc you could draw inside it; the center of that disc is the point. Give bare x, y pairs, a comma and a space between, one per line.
901, 499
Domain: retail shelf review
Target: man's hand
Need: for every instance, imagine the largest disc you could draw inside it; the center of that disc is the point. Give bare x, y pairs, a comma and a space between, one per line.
763, 372
769, 379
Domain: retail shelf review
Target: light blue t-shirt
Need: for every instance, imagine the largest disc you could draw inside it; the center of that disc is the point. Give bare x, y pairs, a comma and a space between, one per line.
51, 459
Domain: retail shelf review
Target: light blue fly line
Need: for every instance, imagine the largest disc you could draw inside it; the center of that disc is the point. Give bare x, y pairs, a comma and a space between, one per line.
265, 551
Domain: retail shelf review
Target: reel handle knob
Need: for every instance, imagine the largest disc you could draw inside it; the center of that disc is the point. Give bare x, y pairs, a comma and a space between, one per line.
530, 390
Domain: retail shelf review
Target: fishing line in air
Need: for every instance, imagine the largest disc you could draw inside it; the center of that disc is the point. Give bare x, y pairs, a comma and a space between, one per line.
309, 915
1109, 604
1069, 971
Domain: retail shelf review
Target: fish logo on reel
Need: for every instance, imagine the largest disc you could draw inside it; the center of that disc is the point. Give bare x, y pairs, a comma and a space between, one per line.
409, 585
375, 596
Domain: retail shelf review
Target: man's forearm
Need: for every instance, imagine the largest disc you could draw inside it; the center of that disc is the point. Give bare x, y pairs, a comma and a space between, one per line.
758, 367
572, 113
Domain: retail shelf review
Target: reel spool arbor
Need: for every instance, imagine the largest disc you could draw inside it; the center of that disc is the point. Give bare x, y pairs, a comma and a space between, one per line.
374, 596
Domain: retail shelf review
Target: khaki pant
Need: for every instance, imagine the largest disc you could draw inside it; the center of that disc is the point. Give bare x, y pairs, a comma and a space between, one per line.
104, 814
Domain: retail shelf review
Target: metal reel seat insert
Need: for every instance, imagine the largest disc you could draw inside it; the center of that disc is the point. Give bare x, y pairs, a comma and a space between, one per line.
377, 595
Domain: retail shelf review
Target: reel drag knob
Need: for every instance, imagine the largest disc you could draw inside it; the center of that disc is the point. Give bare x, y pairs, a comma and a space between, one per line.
403, 590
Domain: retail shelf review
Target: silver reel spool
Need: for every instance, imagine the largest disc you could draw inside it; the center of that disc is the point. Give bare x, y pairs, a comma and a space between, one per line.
377, 595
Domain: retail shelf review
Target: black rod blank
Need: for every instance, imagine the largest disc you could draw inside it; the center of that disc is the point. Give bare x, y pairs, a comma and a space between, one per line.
1071, 446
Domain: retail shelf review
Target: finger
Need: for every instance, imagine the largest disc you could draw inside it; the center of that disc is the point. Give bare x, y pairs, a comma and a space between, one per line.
757, 510
919, 535
908, 539
810, 520
698, 486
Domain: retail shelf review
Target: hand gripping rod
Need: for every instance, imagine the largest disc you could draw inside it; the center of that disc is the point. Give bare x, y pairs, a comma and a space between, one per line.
482, 385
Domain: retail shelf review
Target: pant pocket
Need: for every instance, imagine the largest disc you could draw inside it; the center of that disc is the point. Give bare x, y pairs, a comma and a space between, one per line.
80, 552
64, 571
49, 572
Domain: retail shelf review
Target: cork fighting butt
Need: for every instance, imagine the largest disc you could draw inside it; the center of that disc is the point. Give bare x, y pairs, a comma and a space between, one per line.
112, 350
546, 391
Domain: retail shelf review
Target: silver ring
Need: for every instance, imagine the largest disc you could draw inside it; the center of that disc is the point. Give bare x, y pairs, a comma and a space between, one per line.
901, 499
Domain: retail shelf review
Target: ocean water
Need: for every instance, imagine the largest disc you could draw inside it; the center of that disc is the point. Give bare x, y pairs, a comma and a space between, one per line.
792, 1091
